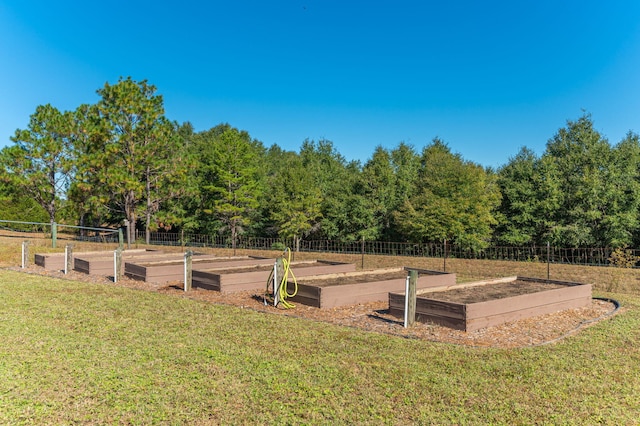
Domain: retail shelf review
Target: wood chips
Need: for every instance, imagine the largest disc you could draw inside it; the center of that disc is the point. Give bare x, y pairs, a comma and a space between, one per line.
374, 317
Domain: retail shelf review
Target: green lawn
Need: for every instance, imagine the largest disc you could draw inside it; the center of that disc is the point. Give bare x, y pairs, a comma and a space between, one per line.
93, 354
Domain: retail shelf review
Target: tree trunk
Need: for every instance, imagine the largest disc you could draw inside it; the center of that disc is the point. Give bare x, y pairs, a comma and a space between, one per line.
130, 214
147, 232
233, 238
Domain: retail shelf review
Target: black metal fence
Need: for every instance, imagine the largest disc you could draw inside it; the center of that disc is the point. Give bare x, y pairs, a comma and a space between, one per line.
599, 256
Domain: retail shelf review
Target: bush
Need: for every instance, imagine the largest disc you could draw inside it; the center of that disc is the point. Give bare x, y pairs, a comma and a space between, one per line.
623, 258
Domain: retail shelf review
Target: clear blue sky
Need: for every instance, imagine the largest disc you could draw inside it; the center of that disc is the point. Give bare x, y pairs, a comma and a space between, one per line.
486, 77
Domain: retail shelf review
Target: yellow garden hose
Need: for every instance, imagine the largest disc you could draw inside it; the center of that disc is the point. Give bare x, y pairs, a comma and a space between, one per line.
284, 281
282, 284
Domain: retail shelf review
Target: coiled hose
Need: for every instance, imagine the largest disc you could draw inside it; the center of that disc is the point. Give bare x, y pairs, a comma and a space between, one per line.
283, 282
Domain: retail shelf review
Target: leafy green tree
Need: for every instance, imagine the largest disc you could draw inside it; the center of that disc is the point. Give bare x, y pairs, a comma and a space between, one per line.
176, 212
517, 221
346, 215
406, 167
453, 200
230, 180
388, 180
85, 195
621, 225
351, 212
377, 184
530, 199
39, 165
295, 202
597, 187
138, 162
15, 206
165, 176
581, 157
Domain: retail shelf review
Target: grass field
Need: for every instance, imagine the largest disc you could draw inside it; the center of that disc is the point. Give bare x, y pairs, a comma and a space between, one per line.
84, 353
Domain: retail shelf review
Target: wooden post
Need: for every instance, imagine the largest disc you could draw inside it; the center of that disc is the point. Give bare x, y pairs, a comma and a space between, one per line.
25, 254
117, 264
54, 234
188, 271
362, 252
68, 258
120, 239
410, 298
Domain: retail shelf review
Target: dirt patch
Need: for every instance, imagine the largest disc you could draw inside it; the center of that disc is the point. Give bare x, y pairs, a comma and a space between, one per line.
375, 317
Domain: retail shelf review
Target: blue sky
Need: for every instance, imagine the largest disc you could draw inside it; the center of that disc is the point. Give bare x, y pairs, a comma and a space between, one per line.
486, 77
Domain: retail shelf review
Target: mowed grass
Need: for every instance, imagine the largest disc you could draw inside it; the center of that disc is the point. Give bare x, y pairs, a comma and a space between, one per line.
98, 354
85, 353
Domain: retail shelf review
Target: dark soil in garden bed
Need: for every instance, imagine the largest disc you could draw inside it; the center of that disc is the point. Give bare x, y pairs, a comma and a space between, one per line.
486, 292
354, 279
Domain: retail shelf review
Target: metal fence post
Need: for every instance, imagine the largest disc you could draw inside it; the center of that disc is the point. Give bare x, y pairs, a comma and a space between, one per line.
548, 259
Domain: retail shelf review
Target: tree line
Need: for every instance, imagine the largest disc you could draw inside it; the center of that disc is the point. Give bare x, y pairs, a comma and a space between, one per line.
121, 159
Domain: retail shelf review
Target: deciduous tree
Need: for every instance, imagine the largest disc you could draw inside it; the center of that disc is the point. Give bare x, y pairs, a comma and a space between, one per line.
453, 199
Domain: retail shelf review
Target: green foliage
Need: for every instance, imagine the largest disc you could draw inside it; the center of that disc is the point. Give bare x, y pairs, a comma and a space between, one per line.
294, 201
122, 159
388, 180
530, 197
40, 163
134, 156
328, 173
581, 192
278, 246
15, 206
582, 159
229, 178
453, 200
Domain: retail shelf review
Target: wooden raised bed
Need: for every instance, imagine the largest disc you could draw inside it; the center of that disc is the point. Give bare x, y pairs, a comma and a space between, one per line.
102, 264
172, 269
255, 278
55, 261
350, 288
473, 306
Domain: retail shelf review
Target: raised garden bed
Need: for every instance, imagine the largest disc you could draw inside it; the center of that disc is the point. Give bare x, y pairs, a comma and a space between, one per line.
172, 269
473, 306
55, 261
350, 288
255, 278
102, 264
